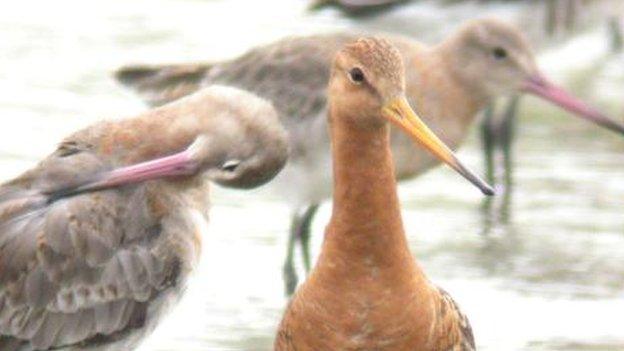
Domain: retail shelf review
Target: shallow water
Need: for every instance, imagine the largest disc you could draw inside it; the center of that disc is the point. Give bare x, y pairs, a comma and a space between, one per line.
550, 278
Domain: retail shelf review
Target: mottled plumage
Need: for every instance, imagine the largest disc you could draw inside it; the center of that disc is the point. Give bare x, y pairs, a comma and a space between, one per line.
462, 329
96, 270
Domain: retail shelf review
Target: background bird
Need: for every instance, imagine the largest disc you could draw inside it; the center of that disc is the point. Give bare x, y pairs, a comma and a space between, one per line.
98, 240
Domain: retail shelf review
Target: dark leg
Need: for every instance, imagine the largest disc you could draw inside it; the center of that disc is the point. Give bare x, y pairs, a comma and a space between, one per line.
508, 127
551, 17
570, 15
289, 273
615, 30
299, 231
305, 230
488, 142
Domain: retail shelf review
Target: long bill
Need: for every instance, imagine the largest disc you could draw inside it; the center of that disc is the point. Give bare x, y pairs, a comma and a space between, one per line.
540, 86
180, 164
399, 112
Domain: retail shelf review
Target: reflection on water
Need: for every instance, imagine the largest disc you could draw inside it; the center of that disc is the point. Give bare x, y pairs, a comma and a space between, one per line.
549, 278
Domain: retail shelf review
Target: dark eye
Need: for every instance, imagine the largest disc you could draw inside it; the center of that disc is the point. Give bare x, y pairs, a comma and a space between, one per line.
356, 75
499, 53
230, 166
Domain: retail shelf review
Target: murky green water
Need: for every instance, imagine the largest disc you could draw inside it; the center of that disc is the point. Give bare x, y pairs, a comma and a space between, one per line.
549, 278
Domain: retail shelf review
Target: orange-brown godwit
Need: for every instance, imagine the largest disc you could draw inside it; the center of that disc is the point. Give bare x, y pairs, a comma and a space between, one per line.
366, 292
99, 238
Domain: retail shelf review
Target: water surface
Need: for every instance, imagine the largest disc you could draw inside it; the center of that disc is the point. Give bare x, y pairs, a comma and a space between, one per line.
549, 278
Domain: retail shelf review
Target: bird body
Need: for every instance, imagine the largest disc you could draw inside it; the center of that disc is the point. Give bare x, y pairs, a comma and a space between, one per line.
366, 292
98, 272
98, 240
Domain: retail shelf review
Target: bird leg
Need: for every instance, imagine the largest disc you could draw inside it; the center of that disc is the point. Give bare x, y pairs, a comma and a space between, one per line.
507, 130
299, 231
507, 136
498, 134
551, 17
305, 230
615, 31
488, 141
289, 273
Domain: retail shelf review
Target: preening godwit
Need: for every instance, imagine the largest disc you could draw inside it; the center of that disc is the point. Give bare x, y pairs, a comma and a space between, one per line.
99, 238
448, 84
366, 292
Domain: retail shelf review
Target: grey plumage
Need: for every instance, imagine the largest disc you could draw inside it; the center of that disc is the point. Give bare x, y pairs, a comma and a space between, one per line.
78, 259
97, 270
292, 73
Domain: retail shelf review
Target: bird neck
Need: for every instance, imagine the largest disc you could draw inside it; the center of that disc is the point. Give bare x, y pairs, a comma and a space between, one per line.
156, 133
451, 55
366, 220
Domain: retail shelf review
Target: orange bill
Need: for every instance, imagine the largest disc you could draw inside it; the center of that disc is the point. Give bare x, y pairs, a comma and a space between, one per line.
400, 113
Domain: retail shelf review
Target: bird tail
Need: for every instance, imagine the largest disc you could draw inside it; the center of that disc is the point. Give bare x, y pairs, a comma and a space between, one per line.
159, 84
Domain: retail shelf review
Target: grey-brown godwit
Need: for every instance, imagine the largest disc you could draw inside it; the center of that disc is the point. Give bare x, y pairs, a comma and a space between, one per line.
99, 238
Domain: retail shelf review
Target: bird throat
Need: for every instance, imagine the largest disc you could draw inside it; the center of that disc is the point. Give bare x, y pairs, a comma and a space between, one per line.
366, 222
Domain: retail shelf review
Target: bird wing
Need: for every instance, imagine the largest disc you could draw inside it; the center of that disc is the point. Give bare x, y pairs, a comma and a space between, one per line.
454, 329
78, 269
293, 73
160, 84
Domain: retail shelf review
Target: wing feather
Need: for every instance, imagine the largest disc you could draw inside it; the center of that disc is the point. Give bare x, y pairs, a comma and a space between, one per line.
158, 85
454, 324
75, 270
292, 73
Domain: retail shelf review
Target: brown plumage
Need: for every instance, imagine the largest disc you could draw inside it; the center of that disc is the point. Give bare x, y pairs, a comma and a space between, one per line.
366, 292
99, 238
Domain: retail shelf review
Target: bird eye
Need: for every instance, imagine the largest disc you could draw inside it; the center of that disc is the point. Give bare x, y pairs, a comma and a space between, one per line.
230, 166
499, 53
356, 75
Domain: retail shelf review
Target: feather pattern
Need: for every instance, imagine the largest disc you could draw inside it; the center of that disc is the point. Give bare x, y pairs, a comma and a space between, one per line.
455, 323
79, 273
98, 239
